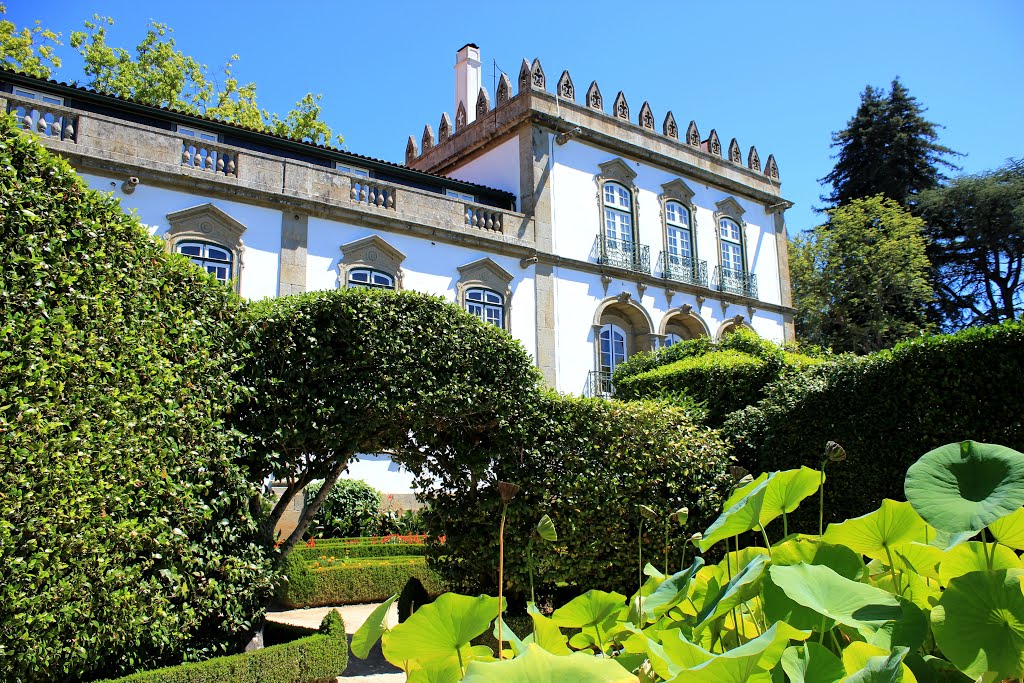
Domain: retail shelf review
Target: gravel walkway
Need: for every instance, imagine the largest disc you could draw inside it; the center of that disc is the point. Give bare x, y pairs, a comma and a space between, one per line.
373, 669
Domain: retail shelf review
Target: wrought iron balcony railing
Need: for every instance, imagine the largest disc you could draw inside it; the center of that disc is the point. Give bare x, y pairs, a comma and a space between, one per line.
736, 282
683, 269
623, 254
599, 384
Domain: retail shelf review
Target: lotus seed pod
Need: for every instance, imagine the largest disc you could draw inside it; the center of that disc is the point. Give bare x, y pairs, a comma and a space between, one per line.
835, 452
697, 538
648, 512
507, 491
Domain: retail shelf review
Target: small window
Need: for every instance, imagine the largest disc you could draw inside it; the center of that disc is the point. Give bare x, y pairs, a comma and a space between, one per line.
678, 234
487, 305
352, 170
460, 195
36, 95
368, 277
198, 134
732, 247
213, 259
618, 216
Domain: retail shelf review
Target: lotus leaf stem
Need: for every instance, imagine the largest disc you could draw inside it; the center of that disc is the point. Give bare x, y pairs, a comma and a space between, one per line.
767, 543
501, 576
666, 546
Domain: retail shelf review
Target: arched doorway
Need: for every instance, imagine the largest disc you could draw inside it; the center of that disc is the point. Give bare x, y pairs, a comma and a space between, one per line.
680, 324
621, 328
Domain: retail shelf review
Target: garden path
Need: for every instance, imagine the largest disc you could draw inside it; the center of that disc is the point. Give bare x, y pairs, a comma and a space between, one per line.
374, 669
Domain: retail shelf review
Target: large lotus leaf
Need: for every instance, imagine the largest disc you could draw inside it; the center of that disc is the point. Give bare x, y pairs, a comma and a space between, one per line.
742, 516
855, 604
784, 634
892, 524
741, 491
979, 623
944, 540
671, 592
869, 664
439, 630
971, 557
912, 587
737, 560
909, 631
739, 665
932, 669
680, 652
1009, 530
812, 663
786, 490
918, 558
537, 665
367, 635
742, 587
966, 486
507, 636
545, 632
546, 529
437, 671
808, 550
589, 609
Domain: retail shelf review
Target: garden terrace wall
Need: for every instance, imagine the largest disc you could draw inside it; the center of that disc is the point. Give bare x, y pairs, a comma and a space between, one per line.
353, 581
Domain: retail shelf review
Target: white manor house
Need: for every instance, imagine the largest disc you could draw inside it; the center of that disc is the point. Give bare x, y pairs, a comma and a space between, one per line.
586, 230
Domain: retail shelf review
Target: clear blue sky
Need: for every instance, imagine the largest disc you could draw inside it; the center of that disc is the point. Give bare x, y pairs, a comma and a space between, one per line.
780, 75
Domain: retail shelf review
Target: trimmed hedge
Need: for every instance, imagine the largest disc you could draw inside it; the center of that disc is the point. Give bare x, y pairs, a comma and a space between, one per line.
353, 581
345, 551
129, 537
886, 409
320, 657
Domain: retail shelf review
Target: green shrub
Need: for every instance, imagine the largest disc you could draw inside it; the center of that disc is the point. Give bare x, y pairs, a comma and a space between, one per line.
587, 463
885, 409
356, 550
352, 508
353, 581
127, 534
320, 657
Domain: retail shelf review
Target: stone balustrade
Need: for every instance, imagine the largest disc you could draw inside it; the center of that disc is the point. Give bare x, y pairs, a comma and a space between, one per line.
205, 155
50, 120
372, 193
484, 217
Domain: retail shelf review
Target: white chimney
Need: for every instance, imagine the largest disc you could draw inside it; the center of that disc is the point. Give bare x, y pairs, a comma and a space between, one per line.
467, 80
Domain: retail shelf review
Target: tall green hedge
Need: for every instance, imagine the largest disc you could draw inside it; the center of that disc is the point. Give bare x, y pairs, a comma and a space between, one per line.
353, 581
886, 409
588, 463
127, 539
317, 658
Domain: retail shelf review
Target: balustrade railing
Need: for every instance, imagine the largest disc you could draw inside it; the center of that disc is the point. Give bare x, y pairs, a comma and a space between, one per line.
599, 384
205, 155
484, 217
623, 254
372, 193
683, 269
736, 282
45, 119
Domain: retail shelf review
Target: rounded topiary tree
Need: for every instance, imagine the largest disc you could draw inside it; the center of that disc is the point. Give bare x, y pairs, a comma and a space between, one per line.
352, 508
128, 533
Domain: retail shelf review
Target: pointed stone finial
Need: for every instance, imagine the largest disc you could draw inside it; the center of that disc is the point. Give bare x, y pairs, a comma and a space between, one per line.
524, 76
594, 99
646, 118
753, 161
460, 117
771, 169
540, 81
504, 89
566, 89
692, 134
444, 129
483, 103
427, 141
621, 108
735, 156
411, 152
669, 127
714, 146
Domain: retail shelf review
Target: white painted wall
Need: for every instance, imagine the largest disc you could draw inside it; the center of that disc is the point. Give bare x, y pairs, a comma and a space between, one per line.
497, 168
262, 237
429, 267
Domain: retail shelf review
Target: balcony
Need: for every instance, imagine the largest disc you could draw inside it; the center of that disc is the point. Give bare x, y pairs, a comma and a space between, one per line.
683, 269
736, 282
599, 385
623, 254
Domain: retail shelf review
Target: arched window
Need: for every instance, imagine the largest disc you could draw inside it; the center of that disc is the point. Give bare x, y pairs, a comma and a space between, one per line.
732, 249
487, 305
212, 258
368, 277
679, 236
672, 338
613, 348
618, 218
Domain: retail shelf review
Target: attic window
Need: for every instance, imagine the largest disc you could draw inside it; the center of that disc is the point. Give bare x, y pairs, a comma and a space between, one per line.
36, 95
197, 133
460, 195
352, 170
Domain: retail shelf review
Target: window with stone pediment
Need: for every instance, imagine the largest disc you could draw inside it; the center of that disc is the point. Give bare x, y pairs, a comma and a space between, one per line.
370, 262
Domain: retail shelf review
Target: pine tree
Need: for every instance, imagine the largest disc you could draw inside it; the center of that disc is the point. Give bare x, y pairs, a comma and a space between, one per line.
889, 148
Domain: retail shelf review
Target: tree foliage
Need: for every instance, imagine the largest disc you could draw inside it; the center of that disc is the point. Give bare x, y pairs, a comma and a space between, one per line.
976, 232
888, 148
128, 533
860, 281
30, 50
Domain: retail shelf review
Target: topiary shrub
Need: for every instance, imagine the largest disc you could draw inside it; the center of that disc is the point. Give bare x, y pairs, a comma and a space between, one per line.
351, 508
351, 581
128, 535
885, 409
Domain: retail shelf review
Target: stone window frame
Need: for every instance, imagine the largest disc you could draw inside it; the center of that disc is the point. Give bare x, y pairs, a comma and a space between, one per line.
617, 171
733, 210
676, 190
732, 324
485, 273
371, 252
684, 312
212, 225
369, 284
